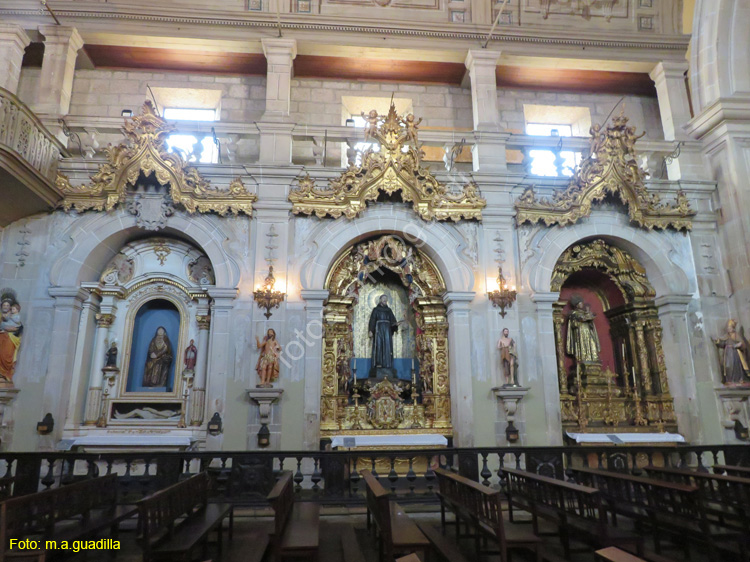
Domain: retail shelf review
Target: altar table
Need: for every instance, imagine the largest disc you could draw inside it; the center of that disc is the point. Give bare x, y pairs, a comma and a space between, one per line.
419, 440
625, 438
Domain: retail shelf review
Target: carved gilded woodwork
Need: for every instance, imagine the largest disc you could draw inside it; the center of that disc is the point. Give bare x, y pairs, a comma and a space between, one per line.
641, 401
611, 168
385, 409
395, 167
145, 153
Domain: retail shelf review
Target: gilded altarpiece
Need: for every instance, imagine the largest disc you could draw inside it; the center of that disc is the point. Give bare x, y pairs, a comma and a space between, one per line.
634, 396
362, 406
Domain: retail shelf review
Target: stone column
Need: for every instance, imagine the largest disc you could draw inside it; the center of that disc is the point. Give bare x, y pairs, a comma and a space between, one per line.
696, 408
104, 321
220, 338
57, 381
459, 351
61, 46
489, 147
198, 398
674, 106
275, 129
314, 300
13, 41
543, 404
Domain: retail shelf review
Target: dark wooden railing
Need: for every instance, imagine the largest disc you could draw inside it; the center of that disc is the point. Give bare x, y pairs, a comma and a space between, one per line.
246, 477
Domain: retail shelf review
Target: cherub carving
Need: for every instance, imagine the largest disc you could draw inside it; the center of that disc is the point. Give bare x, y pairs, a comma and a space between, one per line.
411, 128
372, 119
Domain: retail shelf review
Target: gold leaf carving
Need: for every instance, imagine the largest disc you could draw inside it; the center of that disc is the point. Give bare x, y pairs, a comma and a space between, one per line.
611, 168
145, 153
395, 167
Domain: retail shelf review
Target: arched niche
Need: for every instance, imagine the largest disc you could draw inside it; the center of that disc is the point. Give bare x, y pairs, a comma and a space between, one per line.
149, 284
618, 378
350, 401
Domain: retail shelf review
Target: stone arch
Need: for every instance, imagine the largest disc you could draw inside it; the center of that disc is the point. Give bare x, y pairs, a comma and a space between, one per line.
98, 237
438, 241
666, 277
720, 53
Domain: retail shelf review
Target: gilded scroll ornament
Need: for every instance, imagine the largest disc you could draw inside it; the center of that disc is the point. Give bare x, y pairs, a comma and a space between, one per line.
145, 153
611, 168
395, 167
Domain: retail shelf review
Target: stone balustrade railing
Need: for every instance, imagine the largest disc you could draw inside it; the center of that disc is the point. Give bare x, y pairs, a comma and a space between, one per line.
327, 145
22, 132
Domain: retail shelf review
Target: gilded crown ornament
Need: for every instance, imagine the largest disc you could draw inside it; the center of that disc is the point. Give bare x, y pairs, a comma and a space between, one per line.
145, 153
610, 168
395, 167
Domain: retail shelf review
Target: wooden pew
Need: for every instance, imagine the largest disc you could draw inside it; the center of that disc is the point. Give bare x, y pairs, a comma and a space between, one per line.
732, 470
296, 525
77, 511
664, 506
614, 554
575, 509
481, 507
725, 499
6, 487
178, 519
398, 533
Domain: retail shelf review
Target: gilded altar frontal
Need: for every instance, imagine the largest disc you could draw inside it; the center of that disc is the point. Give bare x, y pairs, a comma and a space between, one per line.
326, 227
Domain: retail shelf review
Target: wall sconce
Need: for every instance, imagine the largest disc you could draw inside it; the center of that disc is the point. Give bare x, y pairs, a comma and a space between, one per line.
46, 426
266, 296
264, 436
504, 296
215, 424
511, 433
127, 113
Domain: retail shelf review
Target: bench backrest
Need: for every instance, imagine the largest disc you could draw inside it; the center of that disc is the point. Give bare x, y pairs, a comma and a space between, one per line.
564, 497
38, 513
482, 502
159, 511
379, 507
281, 499
733, 470
659, 498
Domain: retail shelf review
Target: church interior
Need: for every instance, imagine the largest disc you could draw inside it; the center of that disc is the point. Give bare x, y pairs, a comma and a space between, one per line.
375, 280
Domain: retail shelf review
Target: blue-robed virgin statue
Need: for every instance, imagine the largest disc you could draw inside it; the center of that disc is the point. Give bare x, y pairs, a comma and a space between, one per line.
382, 326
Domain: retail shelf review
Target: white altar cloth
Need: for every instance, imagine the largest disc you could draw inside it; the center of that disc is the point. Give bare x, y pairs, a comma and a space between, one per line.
623, 438
119, 441
364, 441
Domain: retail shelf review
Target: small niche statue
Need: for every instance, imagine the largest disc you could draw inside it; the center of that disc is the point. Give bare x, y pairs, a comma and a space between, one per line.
268, 361
734, 352
191, 357
508, 358
110, 362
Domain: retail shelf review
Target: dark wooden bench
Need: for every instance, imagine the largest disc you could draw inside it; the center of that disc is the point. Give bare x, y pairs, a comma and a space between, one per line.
614, 554
349, 545
77, 511
445, 548
725, 499
178, 519
663, 506
296, 525
576, 510
732, 470
398, 534
481, 507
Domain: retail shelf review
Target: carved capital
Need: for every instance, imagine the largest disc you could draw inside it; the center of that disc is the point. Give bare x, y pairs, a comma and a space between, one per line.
104, 320
204, 321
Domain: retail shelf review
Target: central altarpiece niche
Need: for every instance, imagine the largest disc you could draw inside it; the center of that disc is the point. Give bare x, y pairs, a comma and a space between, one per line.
385, 348
608, 335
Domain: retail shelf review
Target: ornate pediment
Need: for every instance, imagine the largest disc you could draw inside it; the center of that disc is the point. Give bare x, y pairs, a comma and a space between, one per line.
145, 153
395, 167
609, 169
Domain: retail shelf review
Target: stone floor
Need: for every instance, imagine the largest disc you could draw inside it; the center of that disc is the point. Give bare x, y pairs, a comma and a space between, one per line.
249, 522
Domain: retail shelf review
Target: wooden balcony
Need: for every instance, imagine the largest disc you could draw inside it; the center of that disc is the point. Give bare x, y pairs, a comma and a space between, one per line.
29, 155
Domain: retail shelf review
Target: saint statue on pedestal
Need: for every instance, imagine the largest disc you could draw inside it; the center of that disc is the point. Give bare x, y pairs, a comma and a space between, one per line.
268, 362
508, 356
735, 355
159, 359
110, 361
11, 328
582, 341
382, 326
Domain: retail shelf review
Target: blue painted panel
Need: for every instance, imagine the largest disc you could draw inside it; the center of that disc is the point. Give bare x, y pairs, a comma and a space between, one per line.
149, 317
402, 366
